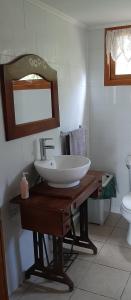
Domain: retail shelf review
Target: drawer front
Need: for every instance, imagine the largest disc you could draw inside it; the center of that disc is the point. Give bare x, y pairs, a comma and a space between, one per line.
48, 222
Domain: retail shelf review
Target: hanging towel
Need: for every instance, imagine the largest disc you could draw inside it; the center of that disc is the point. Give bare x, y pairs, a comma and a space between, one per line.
77, 142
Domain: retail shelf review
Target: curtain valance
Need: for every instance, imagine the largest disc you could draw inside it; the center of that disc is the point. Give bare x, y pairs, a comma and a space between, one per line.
118, 41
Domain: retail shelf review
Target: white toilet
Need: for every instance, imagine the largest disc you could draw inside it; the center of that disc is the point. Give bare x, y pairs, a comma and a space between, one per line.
126, 203
126, 212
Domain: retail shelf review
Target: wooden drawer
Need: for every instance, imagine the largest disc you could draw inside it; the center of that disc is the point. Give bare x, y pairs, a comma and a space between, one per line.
47, 222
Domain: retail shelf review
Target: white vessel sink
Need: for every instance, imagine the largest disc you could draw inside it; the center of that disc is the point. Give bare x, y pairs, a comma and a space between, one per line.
63, 171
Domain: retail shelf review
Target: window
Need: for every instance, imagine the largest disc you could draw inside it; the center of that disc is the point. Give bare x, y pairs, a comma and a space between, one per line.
118, 56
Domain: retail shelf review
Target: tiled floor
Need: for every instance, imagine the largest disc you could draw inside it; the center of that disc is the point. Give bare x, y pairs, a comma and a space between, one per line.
102, 277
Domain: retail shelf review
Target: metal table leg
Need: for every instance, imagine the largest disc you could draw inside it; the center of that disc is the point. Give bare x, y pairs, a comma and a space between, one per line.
54, 271
82, 240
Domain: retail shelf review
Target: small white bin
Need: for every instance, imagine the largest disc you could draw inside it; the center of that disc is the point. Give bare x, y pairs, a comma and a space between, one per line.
99, 209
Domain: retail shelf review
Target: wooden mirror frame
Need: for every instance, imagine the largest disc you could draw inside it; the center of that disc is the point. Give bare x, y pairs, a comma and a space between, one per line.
10, 73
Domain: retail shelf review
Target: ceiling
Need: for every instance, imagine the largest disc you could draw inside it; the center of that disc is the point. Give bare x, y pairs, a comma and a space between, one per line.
94, 12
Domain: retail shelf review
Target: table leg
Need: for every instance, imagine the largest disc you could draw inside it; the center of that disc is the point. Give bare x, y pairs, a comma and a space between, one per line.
58, 262
84, 226
55, 270
82, 240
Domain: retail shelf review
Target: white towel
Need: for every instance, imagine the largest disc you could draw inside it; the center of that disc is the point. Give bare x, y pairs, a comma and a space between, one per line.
77, 142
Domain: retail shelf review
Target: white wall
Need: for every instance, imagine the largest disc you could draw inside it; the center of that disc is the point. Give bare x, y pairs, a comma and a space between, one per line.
26, 28
110, 118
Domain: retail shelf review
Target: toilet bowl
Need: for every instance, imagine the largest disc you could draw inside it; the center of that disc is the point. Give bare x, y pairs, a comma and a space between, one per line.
126, 213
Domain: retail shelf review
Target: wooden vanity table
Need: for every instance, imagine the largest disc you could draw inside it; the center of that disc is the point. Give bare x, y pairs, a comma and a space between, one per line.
48, 211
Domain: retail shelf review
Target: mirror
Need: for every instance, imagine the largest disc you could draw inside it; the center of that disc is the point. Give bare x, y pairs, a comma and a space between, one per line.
29, 96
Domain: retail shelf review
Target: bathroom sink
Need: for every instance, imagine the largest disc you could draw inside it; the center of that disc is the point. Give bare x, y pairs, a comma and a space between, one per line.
63, 171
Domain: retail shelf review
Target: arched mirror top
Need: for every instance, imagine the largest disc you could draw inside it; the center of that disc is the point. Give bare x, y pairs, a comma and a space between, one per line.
29, 64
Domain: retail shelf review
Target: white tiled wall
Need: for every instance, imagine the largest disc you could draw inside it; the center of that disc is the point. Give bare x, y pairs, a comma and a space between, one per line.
27, 28
110, 118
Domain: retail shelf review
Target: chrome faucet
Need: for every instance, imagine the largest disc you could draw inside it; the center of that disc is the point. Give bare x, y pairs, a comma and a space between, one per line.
43, 147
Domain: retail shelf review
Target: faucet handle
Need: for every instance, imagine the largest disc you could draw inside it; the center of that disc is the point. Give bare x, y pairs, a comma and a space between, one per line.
43, 140
46, 139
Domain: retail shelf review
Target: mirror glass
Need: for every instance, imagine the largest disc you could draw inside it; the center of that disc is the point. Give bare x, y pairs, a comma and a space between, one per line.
31, 77
31, 104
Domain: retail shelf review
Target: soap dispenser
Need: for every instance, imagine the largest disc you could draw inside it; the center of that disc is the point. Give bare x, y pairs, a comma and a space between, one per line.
24, 187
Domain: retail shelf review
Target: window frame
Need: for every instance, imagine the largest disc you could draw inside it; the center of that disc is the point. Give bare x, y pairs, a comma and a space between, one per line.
110, 78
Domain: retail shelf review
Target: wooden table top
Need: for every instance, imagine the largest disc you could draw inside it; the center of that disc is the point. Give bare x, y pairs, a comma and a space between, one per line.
68, 193
44, 197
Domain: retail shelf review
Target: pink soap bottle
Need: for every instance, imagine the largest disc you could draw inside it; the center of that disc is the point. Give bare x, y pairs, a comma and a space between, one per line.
24, 187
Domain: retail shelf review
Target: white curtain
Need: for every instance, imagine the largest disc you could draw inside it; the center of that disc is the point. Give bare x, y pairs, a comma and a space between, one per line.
118, 42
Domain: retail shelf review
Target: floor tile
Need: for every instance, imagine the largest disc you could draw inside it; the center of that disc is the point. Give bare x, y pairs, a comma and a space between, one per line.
118, 237
46, 290
115, 256
83, 295
122, 223
43, 294
112, 220
105, 281
16, 295
127, 292
86, 254
51, 285
99, 232
21, 290
78, 270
